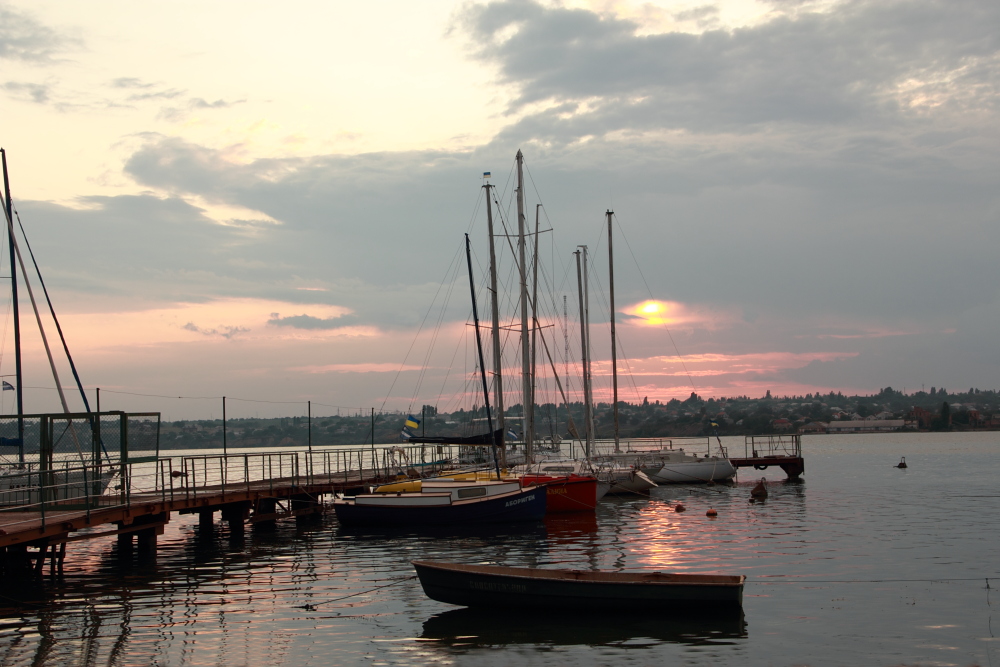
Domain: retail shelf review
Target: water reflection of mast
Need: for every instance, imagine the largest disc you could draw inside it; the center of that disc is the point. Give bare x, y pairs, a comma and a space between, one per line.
118, 648
48, 640
91, 632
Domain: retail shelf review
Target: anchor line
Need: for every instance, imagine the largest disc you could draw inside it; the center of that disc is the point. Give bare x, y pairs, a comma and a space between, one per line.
312, 607
874, 581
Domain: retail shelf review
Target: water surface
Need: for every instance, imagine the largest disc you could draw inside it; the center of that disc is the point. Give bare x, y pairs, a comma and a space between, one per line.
858, 564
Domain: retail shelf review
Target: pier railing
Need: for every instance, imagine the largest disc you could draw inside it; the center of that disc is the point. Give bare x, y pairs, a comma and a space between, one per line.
774, 444
42, 493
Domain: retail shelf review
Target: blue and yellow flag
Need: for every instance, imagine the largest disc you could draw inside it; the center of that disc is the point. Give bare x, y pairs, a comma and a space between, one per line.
412, 422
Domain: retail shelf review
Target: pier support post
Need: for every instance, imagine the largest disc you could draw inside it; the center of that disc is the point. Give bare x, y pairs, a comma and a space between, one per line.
124, 542
235, 514
308, 505
146, 538
265, 506
206, 522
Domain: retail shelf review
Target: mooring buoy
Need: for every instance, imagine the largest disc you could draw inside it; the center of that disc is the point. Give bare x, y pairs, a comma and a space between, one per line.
711, 512
679, 508
902, 463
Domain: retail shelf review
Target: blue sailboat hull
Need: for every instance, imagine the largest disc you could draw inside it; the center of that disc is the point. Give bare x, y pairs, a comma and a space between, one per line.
525, 505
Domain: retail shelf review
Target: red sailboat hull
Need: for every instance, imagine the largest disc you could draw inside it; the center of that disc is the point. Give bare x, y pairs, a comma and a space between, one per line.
572, 493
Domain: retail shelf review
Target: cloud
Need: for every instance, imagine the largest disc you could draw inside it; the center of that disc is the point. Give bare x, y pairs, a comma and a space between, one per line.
31, 92
819, 184
181, 112
198, 103
25, 39
310, 322
130, 82
857, 62
224, 331
357, 368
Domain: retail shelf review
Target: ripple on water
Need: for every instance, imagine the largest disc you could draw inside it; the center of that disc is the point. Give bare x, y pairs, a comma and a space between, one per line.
853, 518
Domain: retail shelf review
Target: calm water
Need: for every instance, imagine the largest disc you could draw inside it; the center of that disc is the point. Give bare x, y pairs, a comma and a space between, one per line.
859, 564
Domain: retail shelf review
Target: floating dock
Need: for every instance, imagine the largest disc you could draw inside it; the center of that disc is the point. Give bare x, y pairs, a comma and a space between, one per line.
781, 450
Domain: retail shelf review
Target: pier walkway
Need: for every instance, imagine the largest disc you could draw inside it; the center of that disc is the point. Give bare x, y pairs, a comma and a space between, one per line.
70, 488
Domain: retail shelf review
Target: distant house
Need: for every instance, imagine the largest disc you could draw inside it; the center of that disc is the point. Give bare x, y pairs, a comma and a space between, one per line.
923, 417
781, 425
865, 426
814, 427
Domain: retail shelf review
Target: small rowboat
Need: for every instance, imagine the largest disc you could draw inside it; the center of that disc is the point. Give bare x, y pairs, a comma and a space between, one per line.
493, 586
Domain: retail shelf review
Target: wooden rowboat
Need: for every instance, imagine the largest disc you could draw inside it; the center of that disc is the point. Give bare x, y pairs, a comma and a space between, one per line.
493, 586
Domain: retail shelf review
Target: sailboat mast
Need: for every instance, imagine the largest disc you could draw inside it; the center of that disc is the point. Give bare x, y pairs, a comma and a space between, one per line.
588, 436
586, 319
479, 349
8, 210
614, 343
534, 316
495, 308
526, 397
569, 414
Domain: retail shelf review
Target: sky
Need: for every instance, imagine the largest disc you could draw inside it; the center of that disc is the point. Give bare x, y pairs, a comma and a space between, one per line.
268, 203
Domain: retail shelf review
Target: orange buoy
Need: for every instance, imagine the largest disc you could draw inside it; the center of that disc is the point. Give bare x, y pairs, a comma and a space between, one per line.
711, 512
679, 508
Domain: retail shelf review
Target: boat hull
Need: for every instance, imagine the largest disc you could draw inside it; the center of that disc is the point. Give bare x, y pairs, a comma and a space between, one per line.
693, 472
526, 505
631, 481
74, 485
490, 586
566, 494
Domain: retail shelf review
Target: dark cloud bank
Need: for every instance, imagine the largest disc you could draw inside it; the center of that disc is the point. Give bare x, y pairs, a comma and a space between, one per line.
817, 168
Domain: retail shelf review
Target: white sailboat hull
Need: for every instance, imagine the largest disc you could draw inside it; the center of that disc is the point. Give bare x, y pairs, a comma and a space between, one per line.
21, 488
631, 481
713, 469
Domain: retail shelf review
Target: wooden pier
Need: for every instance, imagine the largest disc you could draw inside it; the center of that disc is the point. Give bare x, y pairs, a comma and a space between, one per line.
51, 498
781, 450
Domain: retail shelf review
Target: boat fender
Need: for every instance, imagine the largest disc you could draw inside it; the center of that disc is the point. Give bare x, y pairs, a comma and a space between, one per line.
679, 508
711, 512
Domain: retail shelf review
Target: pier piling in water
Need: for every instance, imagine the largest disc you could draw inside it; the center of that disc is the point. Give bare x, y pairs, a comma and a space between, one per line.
206, 522
131, 497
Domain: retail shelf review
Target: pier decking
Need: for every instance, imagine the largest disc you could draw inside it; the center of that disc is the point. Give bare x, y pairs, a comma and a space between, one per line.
56, 496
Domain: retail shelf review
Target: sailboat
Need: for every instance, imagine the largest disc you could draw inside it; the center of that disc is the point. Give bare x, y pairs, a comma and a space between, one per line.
664, 465
450, 501
570, 486
23, 482
623, 477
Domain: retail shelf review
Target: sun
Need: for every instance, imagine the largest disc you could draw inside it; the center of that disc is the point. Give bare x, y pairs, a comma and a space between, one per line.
651, 308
